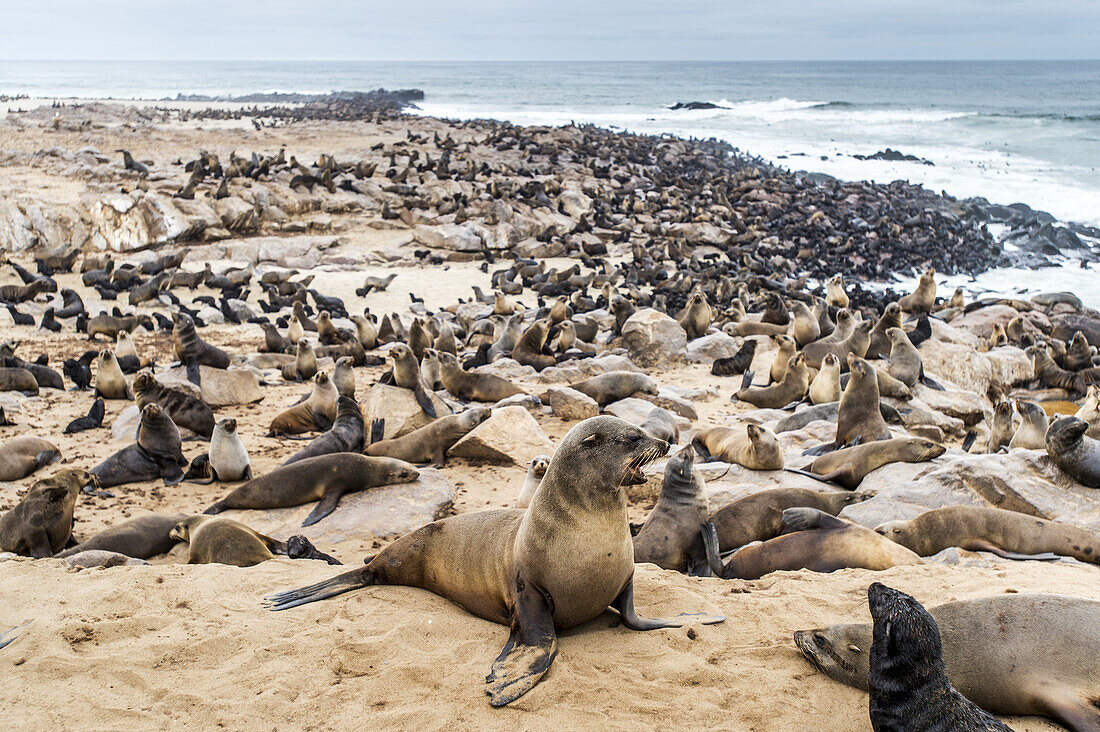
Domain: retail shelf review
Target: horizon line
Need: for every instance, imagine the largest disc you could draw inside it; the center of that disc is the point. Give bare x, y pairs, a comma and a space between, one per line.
540, 60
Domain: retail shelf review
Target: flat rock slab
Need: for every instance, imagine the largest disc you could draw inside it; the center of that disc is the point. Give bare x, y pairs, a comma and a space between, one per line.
510, 435
636, 411
385, 511
399, 408
219, 387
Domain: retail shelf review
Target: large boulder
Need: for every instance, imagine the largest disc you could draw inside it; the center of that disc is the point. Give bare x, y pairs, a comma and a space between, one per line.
654, 339
456, 237
569, 404
712, 346
957, 363
399, 408
510, 435
376, 513
1010, 366
636, 411
219, 387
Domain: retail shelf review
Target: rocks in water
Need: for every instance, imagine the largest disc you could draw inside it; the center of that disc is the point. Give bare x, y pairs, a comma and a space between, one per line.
381, 512
510, 435
696, 105
654, 339
569, 404
894, 156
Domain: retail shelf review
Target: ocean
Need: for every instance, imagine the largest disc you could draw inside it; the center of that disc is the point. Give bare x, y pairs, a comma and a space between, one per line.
1009, 131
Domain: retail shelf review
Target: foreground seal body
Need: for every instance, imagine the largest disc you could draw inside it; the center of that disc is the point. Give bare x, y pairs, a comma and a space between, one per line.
759, 517
907, 677
556, 565
819, 542
324, 478
184, 409
42, 523
858, 416
1009, 654
21, 456
671, 528
1006, 533
1077, 454
141, 537
158, 453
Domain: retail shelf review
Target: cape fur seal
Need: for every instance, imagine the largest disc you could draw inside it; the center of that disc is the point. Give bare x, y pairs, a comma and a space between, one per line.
18, 379
110, 325
218, 540
22, 456
473, 385
858, 416
430, 443
535, 470
848, 466
750, 445
759, 517
345, 435
316, 412
671, 528
615, 385
696, 316
406, 374
157, 453
142, 537
1005, 533
1077, 454
325, 478
1009, 654
818, 541
825, 387
1090, 412
110, 383
41, 524
795, 384
907, 676
558, 564
528, 348
923, 298
225, 461
190, 349
1032, 432
184, 409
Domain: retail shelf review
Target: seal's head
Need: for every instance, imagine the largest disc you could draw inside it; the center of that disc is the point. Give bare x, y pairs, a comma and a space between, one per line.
1063, 434
603, 452
143, 381
841, 652
227, 425
905, 646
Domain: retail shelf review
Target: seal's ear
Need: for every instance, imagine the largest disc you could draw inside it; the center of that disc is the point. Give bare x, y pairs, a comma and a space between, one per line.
591, 440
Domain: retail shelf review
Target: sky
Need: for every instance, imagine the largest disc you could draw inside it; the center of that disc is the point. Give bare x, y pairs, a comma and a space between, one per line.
549, 29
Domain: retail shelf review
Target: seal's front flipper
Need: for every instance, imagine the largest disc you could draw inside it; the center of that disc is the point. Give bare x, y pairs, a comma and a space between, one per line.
194, 375
530, 650
324, 507
624, 603
982, 545
806, 519
424, 400
819, 449
1066, 705
9, 635
40, 544
171, 473
698, 561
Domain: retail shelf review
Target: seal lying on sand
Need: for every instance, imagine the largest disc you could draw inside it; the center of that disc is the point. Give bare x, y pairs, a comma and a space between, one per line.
157, 453
141, 537
217, 540
759, 517
907, 677
22, 456
556, 565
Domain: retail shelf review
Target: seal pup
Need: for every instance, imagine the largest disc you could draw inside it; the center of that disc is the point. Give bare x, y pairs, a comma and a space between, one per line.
110, 383
907, 676
559, 563
1010, 654
749, 445
528, 349
226, 460
343, 377
1007, 534
218, 540
825, 387
473, 385
1077, 454
324, 478
41, 524
140, 537
157, 453
316, 412
835, 296
345, 435
848, 466
1090, 412
738, 363
21, 456
812, 540
184, 409
784, 354
923, 298
304, 365
92, 420
1001, 428
430, 443
671, 528
1032, 432
795, 384
759, 516
535, 470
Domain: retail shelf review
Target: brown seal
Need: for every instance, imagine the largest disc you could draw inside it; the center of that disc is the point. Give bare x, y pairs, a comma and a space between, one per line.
430, 442
184, 409
848, 466
671, 528
879, 345
535, 470
749, 445
41, 524
825, 387
1051, 374
661, 423
984, 529
304, 365
22, 456
528, 349
819, 542
759, 516
324, 478
18, 379
835, 296
907, 676
1077, 454
696, 316
141, 537
856, 343
345, 435
156, 454
858, 416
274, 342
326, 331
218, 540
110, 382
406, 374
316, 412
795, 384
1010, 654
615, 385
343, 377
190, 349
473, 385
557, 564
1032, 432
783, 355
904, 362
923, 298
1001, 428
805, 327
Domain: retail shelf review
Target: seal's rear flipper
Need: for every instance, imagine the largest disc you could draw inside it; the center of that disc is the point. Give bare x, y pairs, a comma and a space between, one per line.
200, 471
968, 441
698, 563
324, 507
377, 430
531, 647
709, 536
746, 379
346, 582
624, 603
931, 383
194, 375
982, 545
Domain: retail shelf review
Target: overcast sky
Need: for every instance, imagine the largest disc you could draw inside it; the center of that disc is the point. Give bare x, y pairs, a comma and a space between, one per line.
549, 29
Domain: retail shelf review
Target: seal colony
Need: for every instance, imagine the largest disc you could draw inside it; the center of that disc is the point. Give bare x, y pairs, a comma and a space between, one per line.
717, 306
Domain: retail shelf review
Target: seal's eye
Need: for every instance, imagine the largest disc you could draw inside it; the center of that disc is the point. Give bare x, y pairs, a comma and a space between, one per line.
635, 439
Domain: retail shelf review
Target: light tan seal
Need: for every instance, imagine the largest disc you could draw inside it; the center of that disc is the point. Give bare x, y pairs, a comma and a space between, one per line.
1009, 654
535, 470
848, 466
556, 565
616, 385
1005, 533
304, 365
825, 387
805, 327
818, 542
672, 527
429, 443
858, 416
528, 349
21, 456
315, 413
696, 316
218, 540
749, 445
922, 299
110, 383
795, 384
473, 385
759, 516
783, 355
1032, 432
